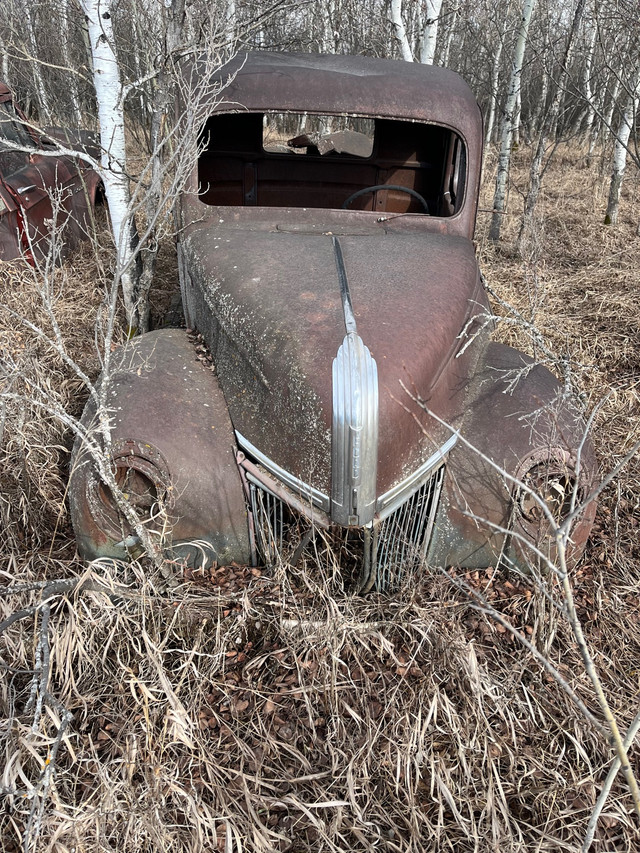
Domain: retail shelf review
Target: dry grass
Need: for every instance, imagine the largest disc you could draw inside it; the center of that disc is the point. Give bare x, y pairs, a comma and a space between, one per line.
33, 453
258, 712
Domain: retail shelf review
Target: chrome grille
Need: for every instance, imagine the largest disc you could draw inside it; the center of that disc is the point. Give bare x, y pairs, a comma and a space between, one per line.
270, 520
400, 541
387, 550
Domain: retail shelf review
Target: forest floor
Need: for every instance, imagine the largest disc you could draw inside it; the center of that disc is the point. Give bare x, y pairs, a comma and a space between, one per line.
262, 711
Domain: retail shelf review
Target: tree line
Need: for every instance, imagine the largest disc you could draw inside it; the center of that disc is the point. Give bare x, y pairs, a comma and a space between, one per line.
543, 72
45, 50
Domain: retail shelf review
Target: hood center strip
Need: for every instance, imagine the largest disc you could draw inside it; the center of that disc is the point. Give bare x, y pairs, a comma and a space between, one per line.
345, 293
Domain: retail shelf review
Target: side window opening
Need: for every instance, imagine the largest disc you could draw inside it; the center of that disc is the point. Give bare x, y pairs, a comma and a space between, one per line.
304, 160
13, 131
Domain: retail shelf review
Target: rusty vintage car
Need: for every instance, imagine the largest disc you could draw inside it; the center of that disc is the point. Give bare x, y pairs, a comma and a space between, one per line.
343, 397
42, 192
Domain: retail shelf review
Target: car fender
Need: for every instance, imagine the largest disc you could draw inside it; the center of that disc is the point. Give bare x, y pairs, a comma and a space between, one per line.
171, 432
519, 429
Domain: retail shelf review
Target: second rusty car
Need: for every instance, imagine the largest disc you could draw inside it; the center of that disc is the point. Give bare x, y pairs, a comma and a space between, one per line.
343, 398
46, 197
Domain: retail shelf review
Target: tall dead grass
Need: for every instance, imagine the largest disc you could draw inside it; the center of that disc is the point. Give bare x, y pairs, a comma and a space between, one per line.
34, 447
247, 711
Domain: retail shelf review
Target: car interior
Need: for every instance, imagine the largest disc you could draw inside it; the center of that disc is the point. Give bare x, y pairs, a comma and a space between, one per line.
300, 160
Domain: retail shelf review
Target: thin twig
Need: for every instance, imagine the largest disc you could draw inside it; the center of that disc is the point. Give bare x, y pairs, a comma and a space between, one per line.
592, 672
632, 731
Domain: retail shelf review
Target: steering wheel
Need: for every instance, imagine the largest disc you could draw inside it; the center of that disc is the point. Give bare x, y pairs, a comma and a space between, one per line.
354, 196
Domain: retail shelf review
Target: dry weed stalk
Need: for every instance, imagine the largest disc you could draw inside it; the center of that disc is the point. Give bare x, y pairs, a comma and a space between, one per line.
512, 316
560, 535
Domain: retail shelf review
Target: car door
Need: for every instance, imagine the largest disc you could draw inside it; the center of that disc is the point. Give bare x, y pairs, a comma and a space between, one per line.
24, 197
11, 226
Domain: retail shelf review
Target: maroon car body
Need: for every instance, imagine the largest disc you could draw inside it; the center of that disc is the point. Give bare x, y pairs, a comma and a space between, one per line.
345, 399
40, 191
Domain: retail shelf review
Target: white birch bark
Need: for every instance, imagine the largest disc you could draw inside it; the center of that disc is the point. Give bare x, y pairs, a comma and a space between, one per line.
106, 77
495, 73
517, 113
538, 113
400, 31
430, 32
592, 30
230, 23
613, 100
173, 15
444, 60
4, 66
623, 135
329, 38
504, 160
65, 40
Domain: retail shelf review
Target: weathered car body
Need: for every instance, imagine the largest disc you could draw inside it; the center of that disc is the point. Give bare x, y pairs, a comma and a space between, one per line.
41, 192
348, 400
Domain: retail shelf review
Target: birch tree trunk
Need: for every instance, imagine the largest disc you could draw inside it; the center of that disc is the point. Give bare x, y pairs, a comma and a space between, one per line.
106, 78
540, 107
444, 60
504, 160
430, 32
229, 22
623, 135
329, 37
140, 60
4, 65
592, 30
400, 31
605, 123
613, 100
495, 73
548, 129
173, 18
517, 114
68, 62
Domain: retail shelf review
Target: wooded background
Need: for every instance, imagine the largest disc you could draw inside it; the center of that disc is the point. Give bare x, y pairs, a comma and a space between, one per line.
560, 71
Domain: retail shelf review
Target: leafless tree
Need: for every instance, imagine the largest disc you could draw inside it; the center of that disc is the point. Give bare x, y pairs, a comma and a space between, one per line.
508, 122
549, 127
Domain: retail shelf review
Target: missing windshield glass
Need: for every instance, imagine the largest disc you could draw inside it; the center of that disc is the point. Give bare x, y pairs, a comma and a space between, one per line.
294, 133
294, 160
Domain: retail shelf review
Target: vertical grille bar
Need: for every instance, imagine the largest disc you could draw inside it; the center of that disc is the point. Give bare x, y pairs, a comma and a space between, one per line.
389, 550
405, 534
269, 523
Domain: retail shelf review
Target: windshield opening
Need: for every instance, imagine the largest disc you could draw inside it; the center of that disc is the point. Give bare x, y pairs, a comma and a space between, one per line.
287, 159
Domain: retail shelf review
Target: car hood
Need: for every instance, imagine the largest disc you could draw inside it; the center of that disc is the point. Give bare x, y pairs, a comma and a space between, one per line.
268, 301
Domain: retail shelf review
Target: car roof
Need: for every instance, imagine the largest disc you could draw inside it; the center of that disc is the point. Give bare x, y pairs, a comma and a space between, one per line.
337, 84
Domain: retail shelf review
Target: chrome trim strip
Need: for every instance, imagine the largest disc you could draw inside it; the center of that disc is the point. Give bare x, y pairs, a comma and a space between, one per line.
297, 486
345, 293
397, 495
259, 478
354, 434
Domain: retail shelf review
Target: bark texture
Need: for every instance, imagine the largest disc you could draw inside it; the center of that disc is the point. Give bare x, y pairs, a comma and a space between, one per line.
504, 160
106, 77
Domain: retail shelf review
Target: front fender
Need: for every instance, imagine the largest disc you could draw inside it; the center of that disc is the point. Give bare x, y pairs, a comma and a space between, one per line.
519, 427
173, 449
